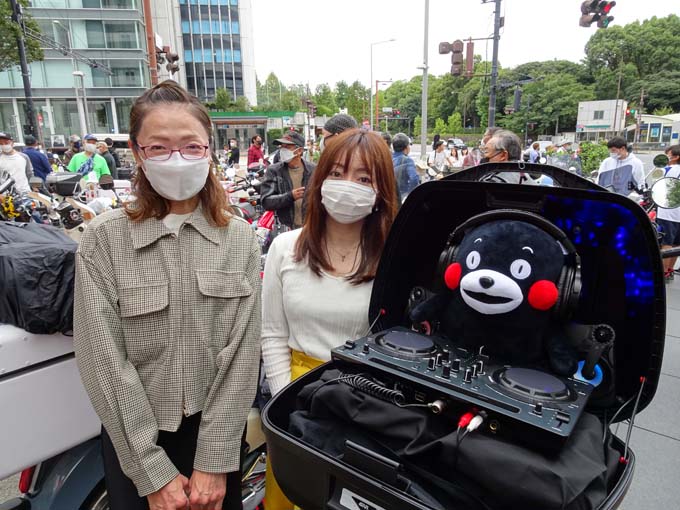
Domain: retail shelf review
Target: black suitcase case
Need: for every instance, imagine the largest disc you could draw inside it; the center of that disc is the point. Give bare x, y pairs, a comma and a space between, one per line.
623, 285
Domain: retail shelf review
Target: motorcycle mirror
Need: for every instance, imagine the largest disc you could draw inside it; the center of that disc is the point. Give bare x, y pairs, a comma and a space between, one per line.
431, 172
666, 193
542, 160
656, 174
231, 172
660, 160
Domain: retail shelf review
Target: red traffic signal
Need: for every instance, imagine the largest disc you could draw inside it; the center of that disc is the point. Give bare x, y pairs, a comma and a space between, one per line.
596, 11
457, 57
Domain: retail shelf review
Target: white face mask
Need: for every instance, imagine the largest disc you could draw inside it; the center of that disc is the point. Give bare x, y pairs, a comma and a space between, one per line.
347, 202
286, 155
177, 178
614, 155
90, 147
7, 148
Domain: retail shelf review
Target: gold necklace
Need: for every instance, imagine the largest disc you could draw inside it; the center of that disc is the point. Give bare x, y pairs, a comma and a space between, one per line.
343, 257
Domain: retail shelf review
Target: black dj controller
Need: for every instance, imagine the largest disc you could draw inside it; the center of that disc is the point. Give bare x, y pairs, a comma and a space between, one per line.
522, 404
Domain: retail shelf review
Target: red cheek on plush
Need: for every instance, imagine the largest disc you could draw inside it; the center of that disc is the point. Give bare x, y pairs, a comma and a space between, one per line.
452, 276
543, 295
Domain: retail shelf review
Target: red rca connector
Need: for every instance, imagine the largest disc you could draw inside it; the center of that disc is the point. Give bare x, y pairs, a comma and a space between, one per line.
465, 419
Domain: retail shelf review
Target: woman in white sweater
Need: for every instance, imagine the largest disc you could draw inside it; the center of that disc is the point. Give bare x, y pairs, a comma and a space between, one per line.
318, 279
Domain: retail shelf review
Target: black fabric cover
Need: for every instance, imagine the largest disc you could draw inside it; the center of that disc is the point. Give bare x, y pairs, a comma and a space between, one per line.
37, 270
484, 473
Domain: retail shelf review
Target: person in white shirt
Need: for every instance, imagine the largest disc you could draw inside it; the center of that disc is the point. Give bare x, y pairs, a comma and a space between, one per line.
669, 219
15, 164
437, 158
621, 169
318, 279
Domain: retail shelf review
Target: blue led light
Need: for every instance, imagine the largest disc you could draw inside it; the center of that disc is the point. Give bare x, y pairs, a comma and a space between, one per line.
595, 381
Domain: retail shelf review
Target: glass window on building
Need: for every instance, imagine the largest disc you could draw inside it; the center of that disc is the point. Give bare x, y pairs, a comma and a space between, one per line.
95, 35
60, 74
655, 133
126, 73
666, 134
123, 108
598, 115
121, 34
52, 4
119, 4
40, 112
100, 116
65, 117
8, 121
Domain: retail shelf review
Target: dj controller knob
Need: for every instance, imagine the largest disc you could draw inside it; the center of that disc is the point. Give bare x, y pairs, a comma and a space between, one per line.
456, 365
431, 364
480, 367
468, 375
538, 409
446, 355
474, 370
365, 349
446, 370
350, 344
440, 359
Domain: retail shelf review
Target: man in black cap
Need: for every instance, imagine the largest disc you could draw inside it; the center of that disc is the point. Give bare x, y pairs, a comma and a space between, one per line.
41, 165
75, 147
284, 183
336, 125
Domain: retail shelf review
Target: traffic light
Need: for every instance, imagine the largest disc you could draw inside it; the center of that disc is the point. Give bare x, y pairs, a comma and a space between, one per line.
396, 113
457, 57
469, 59
518, 99
172, 65
596, 11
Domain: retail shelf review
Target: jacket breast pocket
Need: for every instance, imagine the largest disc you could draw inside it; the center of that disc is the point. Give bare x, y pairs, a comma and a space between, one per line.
221, 294
145, 320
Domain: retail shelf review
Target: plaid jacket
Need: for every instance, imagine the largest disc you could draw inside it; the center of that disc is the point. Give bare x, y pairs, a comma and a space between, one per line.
166, 326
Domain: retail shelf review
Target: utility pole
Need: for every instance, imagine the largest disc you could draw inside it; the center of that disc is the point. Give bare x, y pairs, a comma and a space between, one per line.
423, 108
639, 117
494, 63
150, 42
616, 107
30, 109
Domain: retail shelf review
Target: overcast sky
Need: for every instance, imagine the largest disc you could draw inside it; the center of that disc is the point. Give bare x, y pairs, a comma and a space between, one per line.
324, 41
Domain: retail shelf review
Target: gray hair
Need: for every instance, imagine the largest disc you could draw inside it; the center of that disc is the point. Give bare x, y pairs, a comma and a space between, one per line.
508, 141
400, 141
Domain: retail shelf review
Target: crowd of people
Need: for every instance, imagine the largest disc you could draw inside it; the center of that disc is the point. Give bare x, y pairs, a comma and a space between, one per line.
171, 315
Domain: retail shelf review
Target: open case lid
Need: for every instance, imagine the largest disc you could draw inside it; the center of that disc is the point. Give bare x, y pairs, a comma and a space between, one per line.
621, 268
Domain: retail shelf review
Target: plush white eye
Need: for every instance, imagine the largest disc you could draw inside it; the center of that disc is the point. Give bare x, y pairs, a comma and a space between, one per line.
520, 269
473, 259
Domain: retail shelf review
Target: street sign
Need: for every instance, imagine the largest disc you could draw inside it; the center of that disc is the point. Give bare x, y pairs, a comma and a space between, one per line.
387, 109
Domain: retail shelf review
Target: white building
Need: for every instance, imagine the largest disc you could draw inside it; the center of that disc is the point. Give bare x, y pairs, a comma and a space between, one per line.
600, 119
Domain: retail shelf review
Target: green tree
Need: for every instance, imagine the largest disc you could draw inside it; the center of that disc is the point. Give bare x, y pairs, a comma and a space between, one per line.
455, 123
592, 155
440, 127
417, 125
341, 94
324, 98
9, 31
222, 99
664, 110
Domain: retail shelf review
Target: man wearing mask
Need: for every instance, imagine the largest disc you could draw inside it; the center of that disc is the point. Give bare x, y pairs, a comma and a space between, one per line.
284, 183
114, 154
41, 165
74, 148
103, 151
15, 164
621, 170
255, 153
234, 154
89, 161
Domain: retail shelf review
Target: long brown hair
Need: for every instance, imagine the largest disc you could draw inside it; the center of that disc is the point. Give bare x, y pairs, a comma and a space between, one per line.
148, 203
375, 156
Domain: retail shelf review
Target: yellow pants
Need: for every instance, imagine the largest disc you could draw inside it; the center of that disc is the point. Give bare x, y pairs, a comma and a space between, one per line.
274, 498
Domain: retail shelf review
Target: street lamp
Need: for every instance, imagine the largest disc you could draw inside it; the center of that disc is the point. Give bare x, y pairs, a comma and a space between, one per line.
83, 121
370, 84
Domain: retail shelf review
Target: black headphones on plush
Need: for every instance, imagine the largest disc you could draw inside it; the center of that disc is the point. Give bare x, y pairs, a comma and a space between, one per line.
569, 281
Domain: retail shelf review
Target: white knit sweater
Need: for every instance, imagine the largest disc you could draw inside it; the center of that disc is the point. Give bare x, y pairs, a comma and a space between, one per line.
305, 312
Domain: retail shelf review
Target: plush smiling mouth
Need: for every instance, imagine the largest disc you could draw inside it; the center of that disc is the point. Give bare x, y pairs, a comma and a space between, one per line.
487, 298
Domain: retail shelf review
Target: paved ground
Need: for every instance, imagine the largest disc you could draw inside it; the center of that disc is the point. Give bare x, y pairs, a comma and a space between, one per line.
655, 439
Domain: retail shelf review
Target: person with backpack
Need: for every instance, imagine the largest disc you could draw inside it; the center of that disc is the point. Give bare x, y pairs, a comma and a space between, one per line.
404, 167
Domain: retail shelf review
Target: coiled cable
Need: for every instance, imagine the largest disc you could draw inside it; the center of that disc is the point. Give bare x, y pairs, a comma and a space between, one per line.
379, 391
